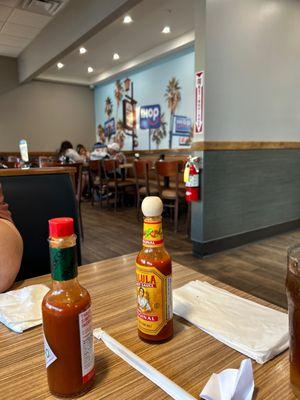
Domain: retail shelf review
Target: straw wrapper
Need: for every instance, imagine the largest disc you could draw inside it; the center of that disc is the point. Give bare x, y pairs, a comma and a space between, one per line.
170, 387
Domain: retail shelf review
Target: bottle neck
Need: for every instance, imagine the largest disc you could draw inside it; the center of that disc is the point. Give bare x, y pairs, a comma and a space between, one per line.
64, 285
152, 232
63, 258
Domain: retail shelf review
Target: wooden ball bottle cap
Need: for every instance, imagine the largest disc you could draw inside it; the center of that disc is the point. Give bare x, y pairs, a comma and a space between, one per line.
152, 206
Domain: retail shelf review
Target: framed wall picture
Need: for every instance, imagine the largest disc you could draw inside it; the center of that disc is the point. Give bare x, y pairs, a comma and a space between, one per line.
129, 114
110, 127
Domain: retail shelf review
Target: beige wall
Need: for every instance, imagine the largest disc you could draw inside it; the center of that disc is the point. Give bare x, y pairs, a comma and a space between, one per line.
46, 114
8, 74
252, 70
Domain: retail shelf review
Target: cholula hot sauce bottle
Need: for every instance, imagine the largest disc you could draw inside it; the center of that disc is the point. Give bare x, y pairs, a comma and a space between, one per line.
154, 278
67, 319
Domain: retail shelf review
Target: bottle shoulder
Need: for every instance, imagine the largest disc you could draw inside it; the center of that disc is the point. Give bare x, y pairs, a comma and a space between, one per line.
157, 258
72, 298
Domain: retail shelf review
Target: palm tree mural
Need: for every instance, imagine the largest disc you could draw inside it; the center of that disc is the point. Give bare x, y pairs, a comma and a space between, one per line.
191, 133
118, 95
173, 97
108, 107
120, 135
159, 133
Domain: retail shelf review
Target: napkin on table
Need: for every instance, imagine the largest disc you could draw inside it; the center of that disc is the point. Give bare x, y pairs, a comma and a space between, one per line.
257, 331
231, 384
21, 309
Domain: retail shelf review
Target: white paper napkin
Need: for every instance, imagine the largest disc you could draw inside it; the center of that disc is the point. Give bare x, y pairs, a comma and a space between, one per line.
258, 332
231, 384
21, 309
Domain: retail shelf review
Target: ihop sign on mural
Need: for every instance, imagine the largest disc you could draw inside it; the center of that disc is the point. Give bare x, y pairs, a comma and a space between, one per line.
182, 126
150, 117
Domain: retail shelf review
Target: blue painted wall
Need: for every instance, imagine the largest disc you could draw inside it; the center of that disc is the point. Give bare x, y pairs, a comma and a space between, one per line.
149, 87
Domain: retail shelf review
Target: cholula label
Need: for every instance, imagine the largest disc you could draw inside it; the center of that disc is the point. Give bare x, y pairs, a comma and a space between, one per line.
154, 299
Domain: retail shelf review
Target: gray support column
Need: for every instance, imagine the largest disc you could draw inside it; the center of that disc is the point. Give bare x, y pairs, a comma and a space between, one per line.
200, 27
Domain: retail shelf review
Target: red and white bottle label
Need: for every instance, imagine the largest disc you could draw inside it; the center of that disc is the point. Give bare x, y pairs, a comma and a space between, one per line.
86, 345
50, 357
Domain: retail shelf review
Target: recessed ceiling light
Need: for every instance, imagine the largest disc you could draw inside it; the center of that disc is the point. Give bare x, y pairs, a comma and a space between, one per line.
90, 70
127, 19
60, 65
116, 56
166, 29
82, 50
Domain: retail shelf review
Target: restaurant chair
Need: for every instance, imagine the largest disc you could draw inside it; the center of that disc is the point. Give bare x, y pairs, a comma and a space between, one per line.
181, 185
143, 185
78, 183
33, 200
96, 177
167, 174
116, 184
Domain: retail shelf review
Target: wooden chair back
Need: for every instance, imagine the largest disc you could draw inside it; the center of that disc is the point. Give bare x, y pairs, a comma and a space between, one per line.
95, 171
95, 167
141, 173
110, 165
167, 170
140, 169
110, 169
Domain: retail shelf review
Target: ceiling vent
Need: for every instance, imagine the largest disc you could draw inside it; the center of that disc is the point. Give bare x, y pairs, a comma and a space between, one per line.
46, 7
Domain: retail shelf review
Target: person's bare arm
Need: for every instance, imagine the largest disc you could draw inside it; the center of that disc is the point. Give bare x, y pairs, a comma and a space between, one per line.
11, 249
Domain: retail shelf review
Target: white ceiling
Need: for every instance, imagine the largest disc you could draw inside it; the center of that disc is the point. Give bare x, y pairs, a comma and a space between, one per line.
18, 27
129, 41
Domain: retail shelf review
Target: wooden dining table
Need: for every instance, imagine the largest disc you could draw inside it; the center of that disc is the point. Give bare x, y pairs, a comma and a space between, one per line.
188, 359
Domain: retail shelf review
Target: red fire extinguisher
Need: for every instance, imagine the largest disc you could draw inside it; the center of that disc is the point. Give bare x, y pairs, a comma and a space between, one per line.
192, 179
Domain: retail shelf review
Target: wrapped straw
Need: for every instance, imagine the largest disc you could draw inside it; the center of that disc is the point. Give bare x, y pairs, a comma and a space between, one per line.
170, 387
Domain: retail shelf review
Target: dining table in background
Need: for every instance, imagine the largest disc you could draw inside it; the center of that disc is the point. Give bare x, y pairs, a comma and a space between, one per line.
188, 359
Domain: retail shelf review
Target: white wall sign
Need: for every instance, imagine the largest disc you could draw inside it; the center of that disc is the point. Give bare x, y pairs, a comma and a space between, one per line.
199, 102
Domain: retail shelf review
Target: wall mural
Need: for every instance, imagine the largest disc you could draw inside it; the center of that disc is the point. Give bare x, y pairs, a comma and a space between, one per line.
159, 133
139, 119
119, 90
173, 97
